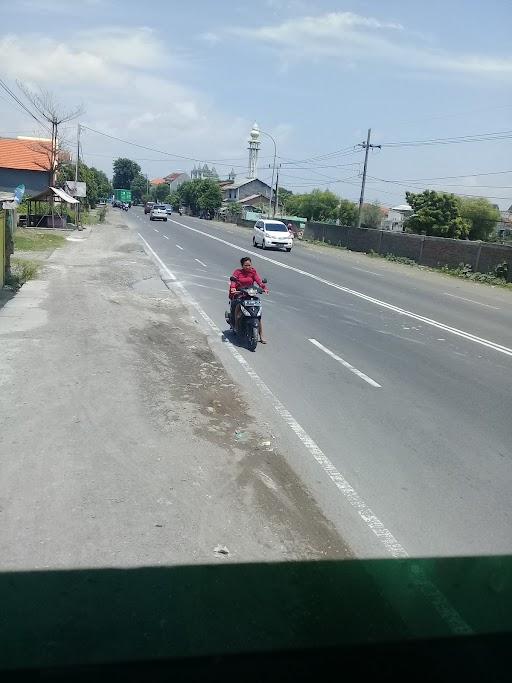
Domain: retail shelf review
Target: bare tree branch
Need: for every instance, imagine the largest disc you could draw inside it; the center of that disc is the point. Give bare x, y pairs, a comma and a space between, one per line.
45, 103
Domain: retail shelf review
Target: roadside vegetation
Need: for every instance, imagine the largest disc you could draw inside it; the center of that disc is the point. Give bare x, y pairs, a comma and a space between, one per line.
36, 240
22, 270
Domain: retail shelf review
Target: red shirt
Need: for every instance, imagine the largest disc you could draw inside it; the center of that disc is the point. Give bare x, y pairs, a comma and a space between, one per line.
245, 278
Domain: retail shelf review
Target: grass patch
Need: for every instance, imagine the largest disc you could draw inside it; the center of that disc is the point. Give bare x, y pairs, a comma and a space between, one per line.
36, 240
22, 270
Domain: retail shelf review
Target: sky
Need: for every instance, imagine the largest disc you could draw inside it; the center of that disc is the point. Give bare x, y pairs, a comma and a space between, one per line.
188, 79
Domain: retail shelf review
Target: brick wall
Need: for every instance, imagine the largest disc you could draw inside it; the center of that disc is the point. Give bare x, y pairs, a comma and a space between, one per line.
429, 251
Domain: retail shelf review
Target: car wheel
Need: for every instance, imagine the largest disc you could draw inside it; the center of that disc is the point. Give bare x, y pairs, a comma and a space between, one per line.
165, 219
288, 248
263, 244
254, 243
150, 218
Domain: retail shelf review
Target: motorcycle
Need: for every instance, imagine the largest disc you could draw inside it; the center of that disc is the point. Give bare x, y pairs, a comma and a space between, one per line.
249, 321
125, 207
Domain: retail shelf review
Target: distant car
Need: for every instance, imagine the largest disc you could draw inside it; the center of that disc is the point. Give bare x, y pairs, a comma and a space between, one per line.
148, 206
168, 208
158, 213
268, 234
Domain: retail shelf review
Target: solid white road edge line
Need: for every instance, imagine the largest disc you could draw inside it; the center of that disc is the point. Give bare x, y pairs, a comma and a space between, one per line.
396, 309
445, 610
346, 364
203, 264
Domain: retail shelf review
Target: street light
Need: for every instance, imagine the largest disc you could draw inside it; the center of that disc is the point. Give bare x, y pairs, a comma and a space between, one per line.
273, 171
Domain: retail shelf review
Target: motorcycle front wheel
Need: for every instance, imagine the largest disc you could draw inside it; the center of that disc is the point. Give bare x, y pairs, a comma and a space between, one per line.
253, 339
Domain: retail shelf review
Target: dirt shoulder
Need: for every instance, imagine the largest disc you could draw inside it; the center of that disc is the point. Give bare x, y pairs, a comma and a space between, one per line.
126, 442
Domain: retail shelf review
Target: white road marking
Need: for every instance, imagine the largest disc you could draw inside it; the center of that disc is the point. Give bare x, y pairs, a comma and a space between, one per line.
346, 364
363, 270
180, 247
463, 298
445, 610
384, 304
203, 264
156, 230
165, 237
164, 270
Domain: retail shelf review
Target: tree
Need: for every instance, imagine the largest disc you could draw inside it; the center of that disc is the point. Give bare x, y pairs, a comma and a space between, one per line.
210, 196
125, 170
98, 185
481, 214
347, 212
318, 205
174, 199
47, 108
159, 193
234, 210
371, 216
188, 192
200, 195
436, 214
139, 187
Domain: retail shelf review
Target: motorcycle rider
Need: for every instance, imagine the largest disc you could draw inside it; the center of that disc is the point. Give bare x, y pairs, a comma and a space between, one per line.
245, 277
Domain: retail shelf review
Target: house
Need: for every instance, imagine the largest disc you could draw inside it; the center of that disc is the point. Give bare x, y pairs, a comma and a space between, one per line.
157, 181
395, 220
176, 179
235, 191
504, 226
254, 202
25, 161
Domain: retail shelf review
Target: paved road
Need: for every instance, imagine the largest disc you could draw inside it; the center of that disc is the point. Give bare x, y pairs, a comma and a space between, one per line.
406, 388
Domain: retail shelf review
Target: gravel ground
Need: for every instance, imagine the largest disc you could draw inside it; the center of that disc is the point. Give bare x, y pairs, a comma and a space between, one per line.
125, 442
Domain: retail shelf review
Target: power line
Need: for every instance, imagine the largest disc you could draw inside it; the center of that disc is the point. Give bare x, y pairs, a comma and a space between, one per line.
21, 104
477, 137
447, 177
154, 149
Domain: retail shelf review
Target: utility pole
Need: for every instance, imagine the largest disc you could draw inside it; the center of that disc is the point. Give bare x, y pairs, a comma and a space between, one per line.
276, 196
366, 146
77, 206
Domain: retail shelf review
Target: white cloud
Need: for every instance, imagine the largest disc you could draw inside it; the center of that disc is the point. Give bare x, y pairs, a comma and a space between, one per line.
352, 38
210, 38
131, 87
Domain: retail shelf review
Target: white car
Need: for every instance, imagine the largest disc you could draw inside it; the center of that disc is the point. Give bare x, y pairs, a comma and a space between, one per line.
158, 213
269, 233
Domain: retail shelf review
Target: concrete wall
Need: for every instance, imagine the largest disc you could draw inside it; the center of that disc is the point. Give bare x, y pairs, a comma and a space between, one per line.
429, 251
34, 181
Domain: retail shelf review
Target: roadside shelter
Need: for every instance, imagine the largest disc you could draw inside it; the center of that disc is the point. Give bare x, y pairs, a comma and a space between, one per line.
42, 208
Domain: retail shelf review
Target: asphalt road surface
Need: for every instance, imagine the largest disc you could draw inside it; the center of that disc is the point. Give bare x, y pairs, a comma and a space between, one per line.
393, 384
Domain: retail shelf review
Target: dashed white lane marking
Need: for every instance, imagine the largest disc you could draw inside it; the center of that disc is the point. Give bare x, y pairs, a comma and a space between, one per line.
180, 247
165, 237
392, 546
156, 230
463, 298
384, 304
203, 264
346, 364
363, 270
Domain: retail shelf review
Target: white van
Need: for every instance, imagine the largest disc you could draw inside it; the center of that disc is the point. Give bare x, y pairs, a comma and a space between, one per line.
269, 233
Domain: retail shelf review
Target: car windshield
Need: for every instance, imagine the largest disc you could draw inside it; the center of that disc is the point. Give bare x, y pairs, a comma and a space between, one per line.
152, 429
276, 227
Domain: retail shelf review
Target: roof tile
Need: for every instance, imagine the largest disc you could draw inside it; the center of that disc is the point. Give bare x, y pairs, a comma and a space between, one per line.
26, 155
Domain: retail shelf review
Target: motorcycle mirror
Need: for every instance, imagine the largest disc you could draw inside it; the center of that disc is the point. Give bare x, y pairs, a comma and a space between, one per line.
233, 279
264, 280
